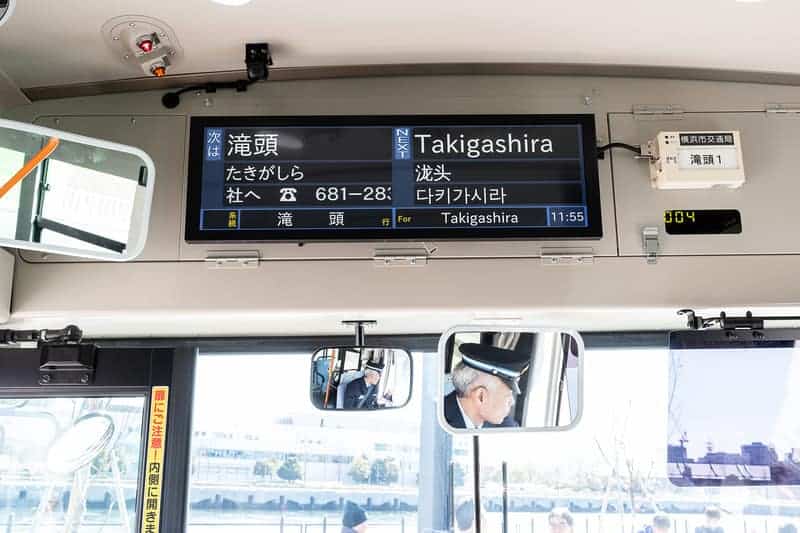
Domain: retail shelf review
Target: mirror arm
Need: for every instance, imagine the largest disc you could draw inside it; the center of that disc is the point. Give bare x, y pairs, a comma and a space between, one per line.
15, 337
63, 229
359, 326
726, 322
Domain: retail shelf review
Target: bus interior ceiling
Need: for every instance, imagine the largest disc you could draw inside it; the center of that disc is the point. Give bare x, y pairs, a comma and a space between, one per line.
170, 289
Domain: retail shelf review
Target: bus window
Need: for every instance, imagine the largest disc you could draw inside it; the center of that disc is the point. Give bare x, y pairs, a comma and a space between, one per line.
264, 458
609, 473
70, 464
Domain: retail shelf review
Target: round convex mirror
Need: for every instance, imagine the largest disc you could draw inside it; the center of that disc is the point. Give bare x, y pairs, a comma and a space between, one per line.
12, 403
80, 444
6, 9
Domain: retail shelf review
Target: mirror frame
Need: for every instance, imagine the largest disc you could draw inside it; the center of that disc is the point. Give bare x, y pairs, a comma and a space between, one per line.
4, 17
367, 347
494, 327
134, 249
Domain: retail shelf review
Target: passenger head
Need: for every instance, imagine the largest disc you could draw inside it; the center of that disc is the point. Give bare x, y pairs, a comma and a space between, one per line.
354, 517
485, 398
560, 520
713, 516
661, 523
465, 517
372, 377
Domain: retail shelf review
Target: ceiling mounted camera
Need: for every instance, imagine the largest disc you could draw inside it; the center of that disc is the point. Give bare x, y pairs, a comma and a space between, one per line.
258, 60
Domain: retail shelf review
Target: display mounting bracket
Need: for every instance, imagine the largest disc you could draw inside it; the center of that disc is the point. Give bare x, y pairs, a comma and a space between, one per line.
397, 257
566, 257
653, 112
246, 260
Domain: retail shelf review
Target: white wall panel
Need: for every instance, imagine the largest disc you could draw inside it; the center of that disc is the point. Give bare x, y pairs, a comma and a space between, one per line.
172, 291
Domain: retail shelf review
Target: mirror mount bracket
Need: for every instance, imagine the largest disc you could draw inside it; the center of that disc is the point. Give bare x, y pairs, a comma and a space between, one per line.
725, 322
17, 338
67, 364
64, 359
359, 326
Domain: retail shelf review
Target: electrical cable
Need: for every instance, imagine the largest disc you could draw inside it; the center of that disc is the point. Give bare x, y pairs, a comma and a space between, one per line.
171, 100
630, 147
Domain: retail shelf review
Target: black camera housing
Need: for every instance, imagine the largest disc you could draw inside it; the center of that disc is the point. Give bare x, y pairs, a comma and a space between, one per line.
258, 60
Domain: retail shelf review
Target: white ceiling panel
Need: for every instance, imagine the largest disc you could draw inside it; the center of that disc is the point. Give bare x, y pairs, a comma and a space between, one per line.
59, 42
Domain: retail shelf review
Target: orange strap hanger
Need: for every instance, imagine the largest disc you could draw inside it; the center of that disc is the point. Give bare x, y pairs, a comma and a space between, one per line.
32, 163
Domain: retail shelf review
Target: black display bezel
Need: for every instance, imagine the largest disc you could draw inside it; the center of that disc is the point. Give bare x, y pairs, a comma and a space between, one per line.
193, 233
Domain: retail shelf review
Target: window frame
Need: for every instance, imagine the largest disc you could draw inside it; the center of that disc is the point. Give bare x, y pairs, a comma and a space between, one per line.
175, 489
135, 371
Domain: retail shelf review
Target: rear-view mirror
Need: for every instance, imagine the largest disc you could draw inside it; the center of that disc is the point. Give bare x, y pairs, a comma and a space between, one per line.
356, 378
67, 194
499, 379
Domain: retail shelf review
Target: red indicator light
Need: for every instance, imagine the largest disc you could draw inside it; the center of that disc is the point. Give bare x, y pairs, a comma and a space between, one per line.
145, 45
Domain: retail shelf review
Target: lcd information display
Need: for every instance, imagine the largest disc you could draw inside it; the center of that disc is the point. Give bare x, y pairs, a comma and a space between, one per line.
408, 177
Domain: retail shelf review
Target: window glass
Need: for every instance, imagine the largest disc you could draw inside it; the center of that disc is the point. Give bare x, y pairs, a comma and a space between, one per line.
70, 464
10, 162
263, 455
609, 472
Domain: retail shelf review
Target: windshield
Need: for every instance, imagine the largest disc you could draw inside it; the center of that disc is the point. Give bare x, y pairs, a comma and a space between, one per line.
264, 459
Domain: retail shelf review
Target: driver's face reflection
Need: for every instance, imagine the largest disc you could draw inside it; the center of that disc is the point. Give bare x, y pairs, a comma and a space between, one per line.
495, 401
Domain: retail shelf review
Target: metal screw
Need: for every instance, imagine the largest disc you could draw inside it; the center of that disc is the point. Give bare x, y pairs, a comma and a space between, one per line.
587, 100
116, 37
133, 122
127, 56
44, 380
208, 102
172, 52
132, 24
162, 34
85, 379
